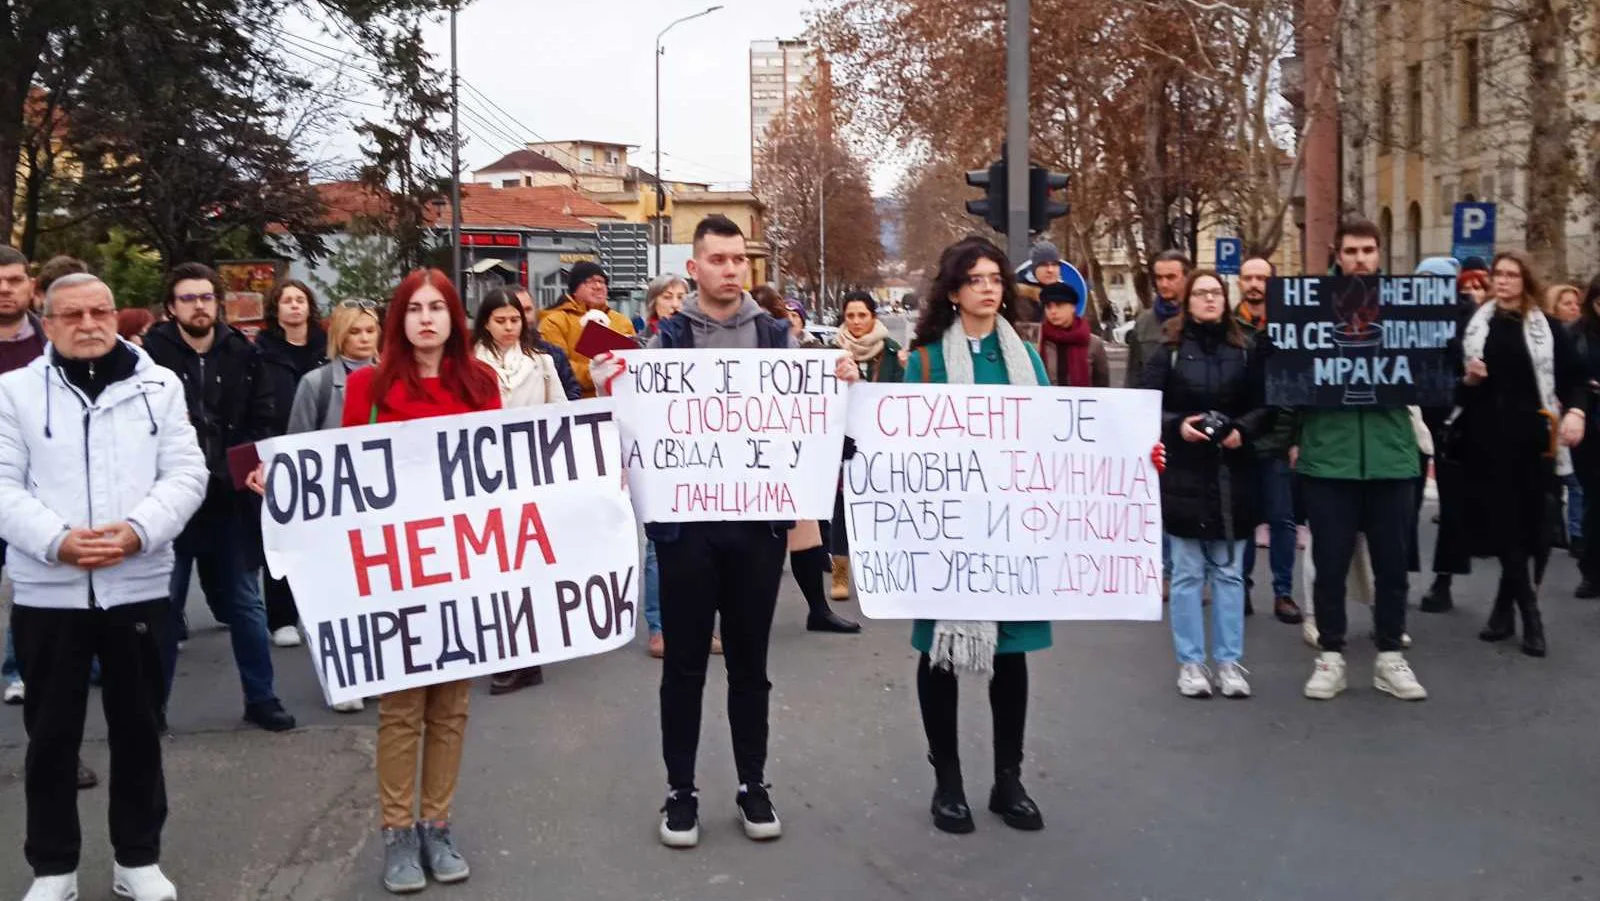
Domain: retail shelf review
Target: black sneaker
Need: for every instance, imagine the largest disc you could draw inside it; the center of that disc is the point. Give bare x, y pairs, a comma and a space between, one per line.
269, 715
680, 821
757, 814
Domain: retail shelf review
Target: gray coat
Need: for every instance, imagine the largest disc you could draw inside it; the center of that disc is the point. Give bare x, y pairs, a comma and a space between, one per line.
315, 386
1144, 342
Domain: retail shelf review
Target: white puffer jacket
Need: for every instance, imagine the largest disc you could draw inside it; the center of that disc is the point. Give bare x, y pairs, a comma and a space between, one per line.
68, 463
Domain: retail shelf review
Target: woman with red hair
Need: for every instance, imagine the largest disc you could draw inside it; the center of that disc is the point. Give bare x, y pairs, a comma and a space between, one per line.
426, 368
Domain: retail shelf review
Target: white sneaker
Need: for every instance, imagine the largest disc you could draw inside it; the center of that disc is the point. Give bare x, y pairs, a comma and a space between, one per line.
1194, 681
142, 883
286, 637
1327, 680
53, 888
1405, 640
15, 692
1308, 631
1393, 675
1230, 677
355, 706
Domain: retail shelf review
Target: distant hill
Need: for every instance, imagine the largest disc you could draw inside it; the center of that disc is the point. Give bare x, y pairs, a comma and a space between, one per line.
889, 231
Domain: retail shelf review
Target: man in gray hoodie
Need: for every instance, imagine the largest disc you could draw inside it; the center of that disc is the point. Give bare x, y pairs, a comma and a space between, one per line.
729, 568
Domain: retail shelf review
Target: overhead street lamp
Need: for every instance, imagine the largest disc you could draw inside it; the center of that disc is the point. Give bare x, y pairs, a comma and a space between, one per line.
661, 193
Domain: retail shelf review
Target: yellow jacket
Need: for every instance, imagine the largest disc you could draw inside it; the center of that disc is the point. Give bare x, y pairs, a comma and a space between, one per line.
562, 324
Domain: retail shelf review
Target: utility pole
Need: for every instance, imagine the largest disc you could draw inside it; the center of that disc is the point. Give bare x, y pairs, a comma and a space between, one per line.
1017, 36
455, 155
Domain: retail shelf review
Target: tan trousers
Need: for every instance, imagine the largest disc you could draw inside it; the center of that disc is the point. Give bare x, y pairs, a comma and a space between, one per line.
431, 720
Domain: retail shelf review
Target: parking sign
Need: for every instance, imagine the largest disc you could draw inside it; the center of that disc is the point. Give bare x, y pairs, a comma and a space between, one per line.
1472, 234
1230, 253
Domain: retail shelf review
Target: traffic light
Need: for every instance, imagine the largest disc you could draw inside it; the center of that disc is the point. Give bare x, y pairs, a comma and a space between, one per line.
1041, 208
992, 208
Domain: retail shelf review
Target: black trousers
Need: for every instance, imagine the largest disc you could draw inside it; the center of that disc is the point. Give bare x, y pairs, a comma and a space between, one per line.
732, 569
54, 648
1450, 546
280, 603
1338, 510
1588, 470
938, 692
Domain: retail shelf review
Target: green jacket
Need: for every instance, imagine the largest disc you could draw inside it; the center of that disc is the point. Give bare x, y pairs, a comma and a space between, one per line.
1358, 444
987, 369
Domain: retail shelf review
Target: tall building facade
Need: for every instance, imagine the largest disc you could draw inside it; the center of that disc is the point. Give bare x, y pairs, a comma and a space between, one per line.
780, 73
1435, 105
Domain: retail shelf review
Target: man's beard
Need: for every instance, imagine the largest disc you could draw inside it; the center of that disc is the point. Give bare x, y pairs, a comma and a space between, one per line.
1255, 300
196, 331
13, 317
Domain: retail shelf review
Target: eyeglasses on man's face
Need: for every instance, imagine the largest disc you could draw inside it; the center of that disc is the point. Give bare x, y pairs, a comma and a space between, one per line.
74, 317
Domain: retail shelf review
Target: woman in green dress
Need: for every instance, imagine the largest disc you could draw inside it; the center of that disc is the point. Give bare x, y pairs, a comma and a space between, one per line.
965, 337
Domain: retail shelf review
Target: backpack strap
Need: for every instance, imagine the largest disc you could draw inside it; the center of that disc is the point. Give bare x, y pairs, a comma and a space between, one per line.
372, 417
927, 366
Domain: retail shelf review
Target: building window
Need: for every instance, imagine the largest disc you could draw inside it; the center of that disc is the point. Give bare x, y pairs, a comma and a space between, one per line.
1414, 107
510, 183
1470, 60
1385, 117
1116, 280
1414, 235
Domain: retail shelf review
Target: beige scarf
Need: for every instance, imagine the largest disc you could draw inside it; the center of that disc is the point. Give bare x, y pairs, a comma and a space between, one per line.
969, 645
868, 348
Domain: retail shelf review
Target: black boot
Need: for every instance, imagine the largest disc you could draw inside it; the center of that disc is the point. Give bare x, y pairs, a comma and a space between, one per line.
1588, 590
1011, 801
1532, 625
950, 810
1502, 620
1438, 599
808, 567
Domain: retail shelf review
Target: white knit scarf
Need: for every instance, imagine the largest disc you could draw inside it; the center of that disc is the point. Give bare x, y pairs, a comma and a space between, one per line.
1541, 348
969, 645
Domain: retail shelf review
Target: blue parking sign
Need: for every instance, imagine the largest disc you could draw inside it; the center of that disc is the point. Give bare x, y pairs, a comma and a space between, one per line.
1230, 253
1472, 231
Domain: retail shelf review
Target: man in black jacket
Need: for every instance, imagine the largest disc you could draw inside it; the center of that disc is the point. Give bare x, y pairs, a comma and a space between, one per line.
230, 403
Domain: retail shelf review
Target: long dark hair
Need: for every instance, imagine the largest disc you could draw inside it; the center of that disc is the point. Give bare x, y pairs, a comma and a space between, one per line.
1233, 332
1589, 322
492, 302
460, 373
957, 260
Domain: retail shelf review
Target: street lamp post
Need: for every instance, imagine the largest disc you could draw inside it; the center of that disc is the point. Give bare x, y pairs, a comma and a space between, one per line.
661, 192
455, 156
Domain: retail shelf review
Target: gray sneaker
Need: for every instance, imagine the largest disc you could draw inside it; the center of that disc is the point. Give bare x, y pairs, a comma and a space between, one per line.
439, 855
402, 861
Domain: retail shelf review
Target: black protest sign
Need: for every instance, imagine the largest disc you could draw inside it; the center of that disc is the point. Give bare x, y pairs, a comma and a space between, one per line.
1361, 341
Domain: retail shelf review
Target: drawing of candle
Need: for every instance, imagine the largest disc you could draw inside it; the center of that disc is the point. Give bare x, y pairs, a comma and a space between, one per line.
1358, 338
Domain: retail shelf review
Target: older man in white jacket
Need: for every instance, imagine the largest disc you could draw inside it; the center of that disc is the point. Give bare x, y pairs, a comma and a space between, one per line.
99, 471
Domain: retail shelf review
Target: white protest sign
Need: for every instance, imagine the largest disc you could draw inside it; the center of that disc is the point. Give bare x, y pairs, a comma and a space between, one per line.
991, 502
446, 548
731, 434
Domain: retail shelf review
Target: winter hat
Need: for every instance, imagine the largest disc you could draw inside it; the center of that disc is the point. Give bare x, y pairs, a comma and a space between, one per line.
1044, 253
1474, 264
1060, 292
1438, 266
582, 272
796, 307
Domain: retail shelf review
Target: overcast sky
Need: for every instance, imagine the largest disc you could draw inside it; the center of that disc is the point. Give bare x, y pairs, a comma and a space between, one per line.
564, 70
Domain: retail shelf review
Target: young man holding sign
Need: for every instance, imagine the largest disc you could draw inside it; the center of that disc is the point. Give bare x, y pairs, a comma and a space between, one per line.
1358, 469
732, 568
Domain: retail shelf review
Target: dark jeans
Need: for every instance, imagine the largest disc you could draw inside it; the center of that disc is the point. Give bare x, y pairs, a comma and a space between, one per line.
55, 648
1589, 475
280, 603
1450, 546
732, 569
1277, 498
233, 592
1338, 510
938, 692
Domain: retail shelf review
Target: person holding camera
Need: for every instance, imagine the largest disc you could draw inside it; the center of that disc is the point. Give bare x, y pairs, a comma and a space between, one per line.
1212, 380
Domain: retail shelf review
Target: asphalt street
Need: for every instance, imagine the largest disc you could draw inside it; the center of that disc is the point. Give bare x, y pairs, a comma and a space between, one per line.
1487, 790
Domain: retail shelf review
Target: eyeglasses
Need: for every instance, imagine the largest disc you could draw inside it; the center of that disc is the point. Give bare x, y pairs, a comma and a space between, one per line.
207, 297
359, 304
103, 314
978, 281
1208, 293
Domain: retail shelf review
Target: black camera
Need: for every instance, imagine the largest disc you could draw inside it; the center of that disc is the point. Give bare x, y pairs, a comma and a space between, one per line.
1214, 425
